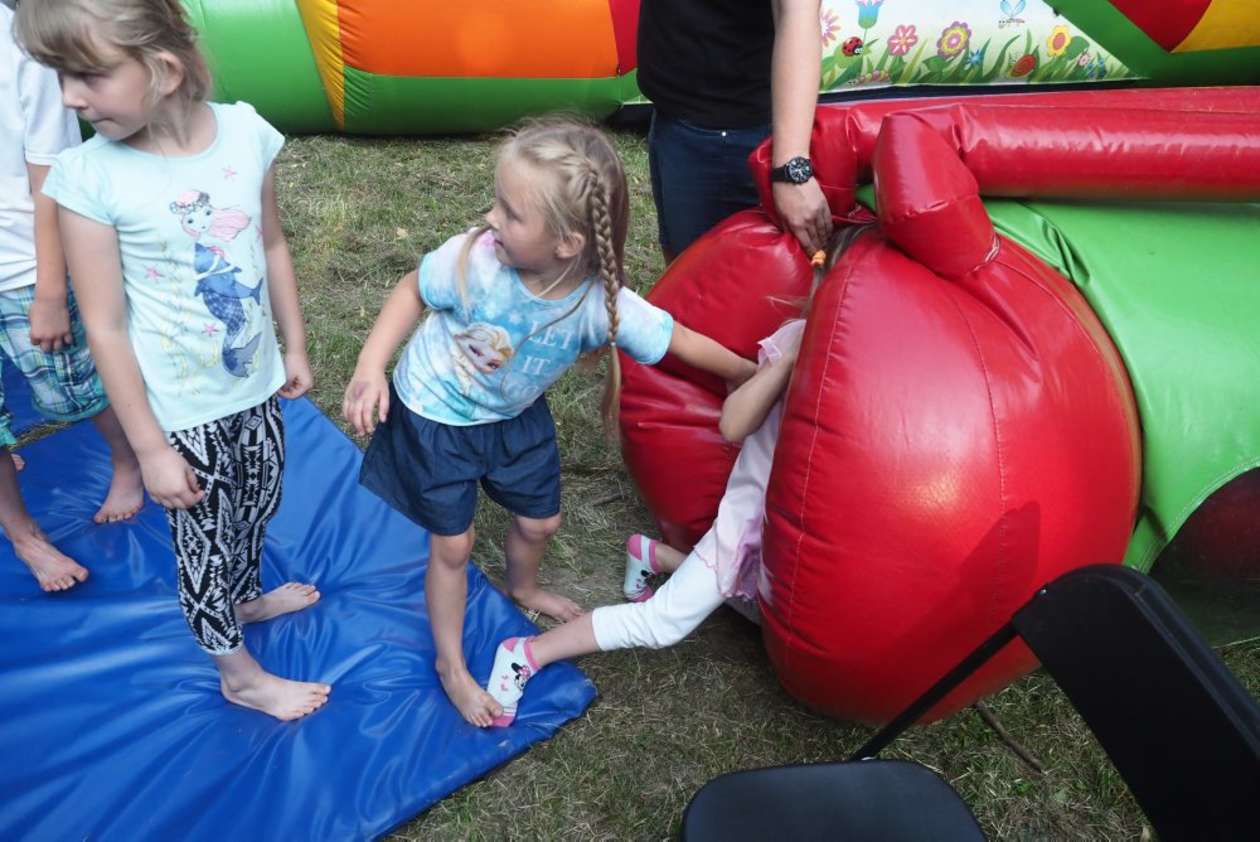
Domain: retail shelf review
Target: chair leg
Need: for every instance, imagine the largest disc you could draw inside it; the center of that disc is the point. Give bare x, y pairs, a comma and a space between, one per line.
935, 693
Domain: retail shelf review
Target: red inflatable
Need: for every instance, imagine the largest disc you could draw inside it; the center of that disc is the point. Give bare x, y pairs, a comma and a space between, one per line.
1221, 540
959, 429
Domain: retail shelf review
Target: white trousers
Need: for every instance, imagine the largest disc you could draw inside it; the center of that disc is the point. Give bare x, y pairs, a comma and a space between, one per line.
673, 612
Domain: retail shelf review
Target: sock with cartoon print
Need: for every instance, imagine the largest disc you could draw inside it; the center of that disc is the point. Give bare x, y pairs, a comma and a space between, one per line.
640, 565
514, 664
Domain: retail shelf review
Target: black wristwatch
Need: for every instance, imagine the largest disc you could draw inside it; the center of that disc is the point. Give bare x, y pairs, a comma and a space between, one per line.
796, 171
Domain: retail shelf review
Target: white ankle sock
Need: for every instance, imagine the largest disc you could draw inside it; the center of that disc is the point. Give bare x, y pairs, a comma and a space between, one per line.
640, 564
514, 664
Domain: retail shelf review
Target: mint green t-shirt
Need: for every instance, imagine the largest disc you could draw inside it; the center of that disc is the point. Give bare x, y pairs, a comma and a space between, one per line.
193, 264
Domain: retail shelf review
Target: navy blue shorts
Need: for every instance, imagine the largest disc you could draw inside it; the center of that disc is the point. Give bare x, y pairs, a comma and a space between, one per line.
429, 471
699, 177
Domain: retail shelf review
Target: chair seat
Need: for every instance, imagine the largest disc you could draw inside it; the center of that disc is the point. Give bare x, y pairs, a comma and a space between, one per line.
871, 800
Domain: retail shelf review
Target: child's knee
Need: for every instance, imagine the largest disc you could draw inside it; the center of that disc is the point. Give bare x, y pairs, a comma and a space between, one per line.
536, 530
451, 550
661, 632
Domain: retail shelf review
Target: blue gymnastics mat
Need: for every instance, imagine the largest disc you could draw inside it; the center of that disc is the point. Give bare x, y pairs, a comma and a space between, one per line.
111, 721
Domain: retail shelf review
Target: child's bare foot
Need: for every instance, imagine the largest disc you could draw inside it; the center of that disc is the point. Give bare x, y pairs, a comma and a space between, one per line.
125, 496
53, 570
473, 703
279, 697
289, 597
545, 602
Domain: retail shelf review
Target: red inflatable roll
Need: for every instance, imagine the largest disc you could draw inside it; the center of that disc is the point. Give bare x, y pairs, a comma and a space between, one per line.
737, 283
959, 429
947, 448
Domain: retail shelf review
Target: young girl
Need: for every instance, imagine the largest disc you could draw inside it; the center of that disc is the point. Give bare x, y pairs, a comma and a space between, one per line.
722, 565
178, 262
512, 305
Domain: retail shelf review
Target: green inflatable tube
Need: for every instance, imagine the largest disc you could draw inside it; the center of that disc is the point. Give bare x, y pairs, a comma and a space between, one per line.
258, 52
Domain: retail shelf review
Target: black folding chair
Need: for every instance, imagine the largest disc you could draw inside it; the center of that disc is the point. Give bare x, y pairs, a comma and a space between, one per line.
1180, 729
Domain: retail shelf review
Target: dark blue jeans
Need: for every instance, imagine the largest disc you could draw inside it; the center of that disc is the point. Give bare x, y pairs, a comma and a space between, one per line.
699, 177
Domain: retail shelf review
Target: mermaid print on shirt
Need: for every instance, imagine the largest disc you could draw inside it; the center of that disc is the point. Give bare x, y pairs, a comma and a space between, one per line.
217, 283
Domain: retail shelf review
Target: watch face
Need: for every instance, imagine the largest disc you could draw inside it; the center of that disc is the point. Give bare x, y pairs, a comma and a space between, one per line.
798, 170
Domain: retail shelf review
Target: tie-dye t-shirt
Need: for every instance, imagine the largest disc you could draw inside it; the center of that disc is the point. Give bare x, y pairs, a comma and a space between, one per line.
489, 362
193, 263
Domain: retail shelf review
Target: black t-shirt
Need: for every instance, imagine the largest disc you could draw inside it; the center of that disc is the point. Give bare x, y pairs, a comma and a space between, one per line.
707, 61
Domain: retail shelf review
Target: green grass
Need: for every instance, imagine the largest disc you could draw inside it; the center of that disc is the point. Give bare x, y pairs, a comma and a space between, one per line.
358, 214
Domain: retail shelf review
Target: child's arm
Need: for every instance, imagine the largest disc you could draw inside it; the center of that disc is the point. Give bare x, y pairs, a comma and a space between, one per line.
282, 291
745, 409
50, 317
368, 390
700, 351
96, 269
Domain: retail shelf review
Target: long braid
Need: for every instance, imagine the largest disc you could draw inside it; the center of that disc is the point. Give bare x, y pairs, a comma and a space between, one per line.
610, 274
584, 194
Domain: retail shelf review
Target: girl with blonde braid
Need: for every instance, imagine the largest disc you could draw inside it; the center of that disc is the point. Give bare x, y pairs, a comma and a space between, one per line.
511, 305
725, 563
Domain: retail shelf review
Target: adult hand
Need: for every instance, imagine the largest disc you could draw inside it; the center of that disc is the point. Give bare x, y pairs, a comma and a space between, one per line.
50, 324
803, 210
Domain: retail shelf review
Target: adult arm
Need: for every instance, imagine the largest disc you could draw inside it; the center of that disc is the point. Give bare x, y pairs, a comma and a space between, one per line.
794, 78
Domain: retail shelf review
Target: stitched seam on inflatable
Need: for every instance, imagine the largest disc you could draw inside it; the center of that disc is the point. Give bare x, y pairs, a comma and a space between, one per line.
1097, 352
997, 438
809, 463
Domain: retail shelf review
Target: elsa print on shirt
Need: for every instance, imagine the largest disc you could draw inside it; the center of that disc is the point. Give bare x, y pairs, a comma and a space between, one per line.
216, 276
483, 348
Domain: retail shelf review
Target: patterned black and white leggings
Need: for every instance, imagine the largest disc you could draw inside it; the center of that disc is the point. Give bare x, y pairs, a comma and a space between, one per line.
239, 461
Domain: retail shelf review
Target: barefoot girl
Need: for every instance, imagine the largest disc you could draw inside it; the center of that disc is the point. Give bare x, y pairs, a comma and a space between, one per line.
179, 265
723, 564
512, 305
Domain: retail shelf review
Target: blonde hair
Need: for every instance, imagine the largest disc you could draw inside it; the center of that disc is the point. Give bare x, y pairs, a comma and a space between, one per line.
842, 237
68, 36
584, 193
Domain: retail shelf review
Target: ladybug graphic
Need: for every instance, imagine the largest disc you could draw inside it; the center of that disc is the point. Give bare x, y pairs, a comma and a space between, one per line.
852, 46
1025, 65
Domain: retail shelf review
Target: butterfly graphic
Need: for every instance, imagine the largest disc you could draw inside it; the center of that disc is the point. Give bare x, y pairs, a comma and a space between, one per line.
1011, 8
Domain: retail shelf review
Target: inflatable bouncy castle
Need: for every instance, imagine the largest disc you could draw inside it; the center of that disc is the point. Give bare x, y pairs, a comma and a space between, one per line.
1041, 356
426, 67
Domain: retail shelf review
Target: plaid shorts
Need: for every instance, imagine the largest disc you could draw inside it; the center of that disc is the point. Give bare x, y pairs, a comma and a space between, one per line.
64, 384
